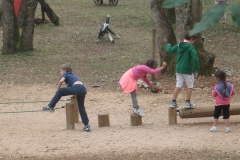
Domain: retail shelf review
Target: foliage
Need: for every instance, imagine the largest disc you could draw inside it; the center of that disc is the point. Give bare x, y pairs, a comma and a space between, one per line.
235, 11
174, 3
102, 63
210, 17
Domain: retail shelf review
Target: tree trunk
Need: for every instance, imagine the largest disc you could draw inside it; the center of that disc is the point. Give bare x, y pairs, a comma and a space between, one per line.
172, 15
184, 21
21, 14
196, 17
43, 14
28, 26
51, 15
1, 12
164, 33
8, 27
206, 58
186, 16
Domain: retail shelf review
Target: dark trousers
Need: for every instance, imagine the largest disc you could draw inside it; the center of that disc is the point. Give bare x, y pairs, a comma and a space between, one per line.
80, 92
219, 109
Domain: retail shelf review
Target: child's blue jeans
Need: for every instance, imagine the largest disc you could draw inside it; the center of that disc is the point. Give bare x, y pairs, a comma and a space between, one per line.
80, 92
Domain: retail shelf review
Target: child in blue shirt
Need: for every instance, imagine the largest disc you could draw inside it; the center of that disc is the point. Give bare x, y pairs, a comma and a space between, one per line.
74, 87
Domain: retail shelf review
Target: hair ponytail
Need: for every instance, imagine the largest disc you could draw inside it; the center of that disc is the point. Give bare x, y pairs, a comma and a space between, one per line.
221, 75
225, 88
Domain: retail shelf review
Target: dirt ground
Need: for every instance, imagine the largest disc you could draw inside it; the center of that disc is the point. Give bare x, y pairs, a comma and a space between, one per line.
30, 133
28, 83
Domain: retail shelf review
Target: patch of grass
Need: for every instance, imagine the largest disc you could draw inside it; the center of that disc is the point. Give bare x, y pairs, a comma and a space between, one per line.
74, 41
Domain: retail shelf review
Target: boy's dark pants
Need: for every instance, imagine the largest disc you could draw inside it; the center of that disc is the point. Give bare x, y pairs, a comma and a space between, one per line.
80, 92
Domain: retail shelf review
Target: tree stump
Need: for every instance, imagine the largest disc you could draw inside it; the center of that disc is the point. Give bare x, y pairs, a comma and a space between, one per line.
76, 110
136, 120
103, 120
70, 116
172, 116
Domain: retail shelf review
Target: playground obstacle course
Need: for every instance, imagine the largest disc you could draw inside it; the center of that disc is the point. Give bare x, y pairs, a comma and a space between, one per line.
196, 113
72, 116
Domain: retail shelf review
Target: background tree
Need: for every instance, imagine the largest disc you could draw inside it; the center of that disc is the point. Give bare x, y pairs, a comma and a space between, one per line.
11, 35
164, 33
1, 12
186, 16
26, 41
202, 22
9, 21
13, 40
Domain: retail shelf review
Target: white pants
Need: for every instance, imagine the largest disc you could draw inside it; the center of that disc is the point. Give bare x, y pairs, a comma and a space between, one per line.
189, 78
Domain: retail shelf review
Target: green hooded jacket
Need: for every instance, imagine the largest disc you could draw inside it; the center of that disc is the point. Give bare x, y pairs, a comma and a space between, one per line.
187, 59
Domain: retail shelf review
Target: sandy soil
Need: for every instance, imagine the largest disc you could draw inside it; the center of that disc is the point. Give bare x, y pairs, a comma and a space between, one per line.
43, 135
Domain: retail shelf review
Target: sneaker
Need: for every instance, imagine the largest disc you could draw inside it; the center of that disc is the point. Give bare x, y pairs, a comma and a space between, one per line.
227, 129
189, 105
173, 104
138, 112
87, 128
213, 129
48, 108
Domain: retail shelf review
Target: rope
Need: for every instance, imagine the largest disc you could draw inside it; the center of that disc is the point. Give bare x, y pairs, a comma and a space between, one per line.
30, 101
29, 111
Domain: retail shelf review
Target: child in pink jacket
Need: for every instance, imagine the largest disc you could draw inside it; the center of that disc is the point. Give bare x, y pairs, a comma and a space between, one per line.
128, 81
222, 92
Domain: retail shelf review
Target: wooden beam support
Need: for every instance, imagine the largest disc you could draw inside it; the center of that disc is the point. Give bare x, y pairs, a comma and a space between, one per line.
70, 116
136, 120
172, 116
76, 110
103, 120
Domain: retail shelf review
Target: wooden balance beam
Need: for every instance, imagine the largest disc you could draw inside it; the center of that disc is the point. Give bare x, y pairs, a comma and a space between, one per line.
197, 113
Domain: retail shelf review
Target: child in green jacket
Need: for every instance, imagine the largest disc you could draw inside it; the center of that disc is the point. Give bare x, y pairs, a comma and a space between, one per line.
187, 68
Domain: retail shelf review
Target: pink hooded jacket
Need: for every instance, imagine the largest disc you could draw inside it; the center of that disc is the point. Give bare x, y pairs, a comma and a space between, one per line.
222, 95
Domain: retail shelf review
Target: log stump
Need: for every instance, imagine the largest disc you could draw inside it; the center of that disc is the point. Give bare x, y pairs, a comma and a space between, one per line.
103, 120
205, 112
136, 120
172, 116
76, 110
70, 116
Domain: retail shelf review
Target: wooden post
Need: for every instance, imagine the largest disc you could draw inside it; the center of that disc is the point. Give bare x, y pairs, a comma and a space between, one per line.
136, 120
153, 48
76, 110
103, 120
153, 42
70, 116
172, 116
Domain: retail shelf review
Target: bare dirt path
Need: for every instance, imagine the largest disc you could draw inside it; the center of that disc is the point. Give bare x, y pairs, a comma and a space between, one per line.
43, 135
